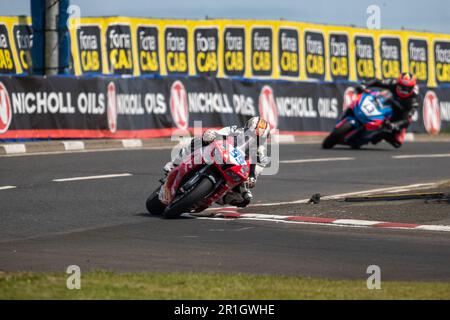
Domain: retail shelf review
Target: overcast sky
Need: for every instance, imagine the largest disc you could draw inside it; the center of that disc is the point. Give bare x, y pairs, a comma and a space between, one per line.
428, 15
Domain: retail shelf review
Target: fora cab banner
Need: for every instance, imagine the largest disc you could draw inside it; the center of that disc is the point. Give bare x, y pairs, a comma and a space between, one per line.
117, 107
222, 48
16, 39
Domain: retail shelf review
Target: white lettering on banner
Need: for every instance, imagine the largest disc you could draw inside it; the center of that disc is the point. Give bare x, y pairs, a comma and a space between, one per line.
88, 42
209, 102
364, 51
296, 107
328, 108
314, 46
288, 43
261, 43
174, 43
155, 103
205, 44
119, 40
243, 105
445, 110
42, 102
389, 52
91, 103
148, 43
24, 41
442, 55
129, 104
3, 42
234, 43
337, 48
417, 54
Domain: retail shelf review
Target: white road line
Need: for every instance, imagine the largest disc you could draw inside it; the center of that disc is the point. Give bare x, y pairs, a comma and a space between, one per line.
433, 228
80, 151
317, 160
106, 176
356, 222
347, 223
417, 186
388, 190
7, 187
413, 156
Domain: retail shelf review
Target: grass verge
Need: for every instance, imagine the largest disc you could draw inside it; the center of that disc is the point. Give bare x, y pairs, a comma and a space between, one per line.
198, 286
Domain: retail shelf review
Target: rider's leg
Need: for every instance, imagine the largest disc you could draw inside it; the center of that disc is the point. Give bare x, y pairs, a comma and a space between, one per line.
396, 139
193, 145
354, 139
234, 198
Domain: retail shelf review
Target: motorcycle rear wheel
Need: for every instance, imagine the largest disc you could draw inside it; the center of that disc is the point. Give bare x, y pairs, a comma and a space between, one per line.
337, 136
201, 190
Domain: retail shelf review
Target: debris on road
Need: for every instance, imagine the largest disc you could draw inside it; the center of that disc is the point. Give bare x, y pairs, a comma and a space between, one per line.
315, 198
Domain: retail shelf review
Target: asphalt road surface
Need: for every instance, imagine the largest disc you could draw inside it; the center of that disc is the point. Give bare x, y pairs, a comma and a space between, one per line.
102, 222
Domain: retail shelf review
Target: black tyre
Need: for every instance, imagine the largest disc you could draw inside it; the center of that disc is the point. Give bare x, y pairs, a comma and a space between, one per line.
337, 136
154, 206
201, 190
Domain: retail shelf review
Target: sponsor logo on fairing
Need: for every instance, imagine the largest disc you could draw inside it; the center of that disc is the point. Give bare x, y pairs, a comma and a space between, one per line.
179, 105
5, 109
431, 113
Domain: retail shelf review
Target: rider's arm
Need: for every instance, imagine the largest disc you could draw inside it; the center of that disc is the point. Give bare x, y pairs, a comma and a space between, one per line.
411, 106
262, 161
211, 135
385, 84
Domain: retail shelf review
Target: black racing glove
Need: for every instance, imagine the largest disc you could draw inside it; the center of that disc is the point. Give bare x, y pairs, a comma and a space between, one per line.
391, 126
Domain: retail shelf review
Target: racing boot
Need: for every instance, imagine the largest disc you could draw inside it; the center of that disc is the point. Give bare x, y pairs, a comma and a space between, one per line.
391, 139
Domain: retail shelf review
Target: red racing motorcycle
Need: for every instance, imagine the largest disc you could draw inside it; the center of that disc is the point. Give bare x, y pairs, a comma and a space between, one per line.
201, 179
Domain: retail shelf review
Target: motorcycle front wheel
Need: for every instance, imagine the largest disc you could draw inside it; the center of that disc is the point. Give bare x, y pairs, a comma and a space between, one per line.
188, 200
154, 206
337, 136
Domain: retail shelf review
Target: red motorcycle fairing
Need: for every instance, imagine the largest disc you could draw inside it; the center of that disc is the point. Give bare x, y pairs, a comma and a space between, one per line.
170, 187
216, 155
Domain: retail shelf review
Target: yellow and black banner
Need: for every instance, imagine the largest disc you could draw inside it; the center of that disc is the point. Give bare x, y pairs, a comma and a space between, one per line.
441, 51
223, 48
234, 56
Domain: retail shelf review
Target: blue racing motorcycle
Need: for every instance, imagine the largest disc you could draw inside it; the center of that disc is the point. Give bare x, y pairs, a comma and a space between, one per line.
362, 120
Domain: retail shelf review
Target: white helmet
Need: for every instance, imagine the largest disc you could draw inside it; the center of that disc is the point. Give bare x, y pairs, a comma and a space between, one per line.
259, 126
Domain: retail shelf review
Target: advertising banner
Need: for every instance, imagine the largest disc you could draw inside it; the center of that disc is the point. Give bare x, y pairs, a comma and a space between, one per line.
223, 48
111, 107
